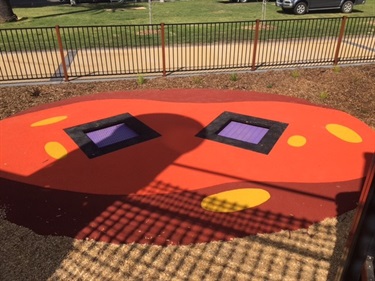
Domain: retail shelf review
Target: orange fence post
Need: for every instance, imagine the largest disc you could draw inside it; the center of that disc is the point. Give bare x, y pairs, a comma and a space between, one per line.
163, 48
256, 38
339, 41
66, 78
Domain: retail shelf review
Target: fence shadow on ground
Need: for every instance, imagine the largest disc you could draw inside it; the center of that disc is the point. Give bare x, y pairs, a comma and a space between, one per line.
128, 50
163, 234
294, 255
304, 254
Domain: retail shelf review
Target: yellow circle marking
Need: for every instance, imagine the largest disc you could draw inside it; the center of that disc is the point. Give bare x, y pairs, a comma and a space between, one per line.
56, 150
297, 141
49, 121
344, 133
235, 200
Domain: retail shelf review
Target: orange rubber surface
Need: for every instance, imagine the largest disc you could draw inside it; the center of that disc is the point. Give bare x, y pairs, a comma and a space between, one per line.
179, 188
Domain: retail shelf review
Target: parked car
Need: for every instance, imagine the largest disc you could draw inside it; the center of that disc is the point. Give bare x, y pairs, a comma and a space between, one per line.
300, 7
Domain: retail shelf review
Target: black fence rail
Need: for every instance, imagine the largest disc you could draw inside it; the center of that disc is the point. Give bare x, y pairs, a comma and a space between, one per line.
30, 53
64, 53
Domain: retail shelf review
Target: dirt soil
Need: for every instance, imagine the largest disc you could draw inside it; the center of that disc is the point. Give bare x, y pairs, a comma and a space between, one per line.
350, 89
306, 254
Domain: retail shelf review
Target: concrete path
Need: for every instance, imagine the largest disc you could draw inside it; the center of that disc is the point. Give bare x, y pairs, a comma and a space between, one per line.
181, 58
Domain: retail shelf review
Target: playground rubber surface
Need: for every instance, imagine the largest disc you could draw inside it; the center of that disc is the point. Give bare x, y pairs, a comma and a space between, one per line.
172, 167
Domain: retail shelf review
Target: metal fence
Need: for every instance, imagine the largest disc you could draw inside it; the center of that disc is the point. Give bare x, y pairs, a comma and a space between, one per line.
64, 53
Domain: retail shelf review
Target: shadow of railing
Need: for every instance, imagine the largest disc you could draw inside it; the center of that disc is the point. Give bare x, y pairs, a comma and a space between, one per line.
162, 232
133, 225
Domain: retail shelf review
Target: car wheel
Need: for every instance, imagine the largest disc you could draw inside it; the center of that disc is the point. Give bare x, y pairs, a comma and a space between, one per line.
300, 8
243, 1
347, 7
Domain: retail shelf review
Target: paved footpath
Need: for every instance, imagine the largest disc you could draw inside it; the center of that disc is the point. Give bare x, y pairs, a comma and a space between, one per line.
83, 63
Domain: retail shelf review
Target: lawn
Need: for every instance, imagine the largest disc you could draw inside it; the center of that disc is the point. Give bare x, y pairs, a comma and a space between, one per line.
188, 11
234, 22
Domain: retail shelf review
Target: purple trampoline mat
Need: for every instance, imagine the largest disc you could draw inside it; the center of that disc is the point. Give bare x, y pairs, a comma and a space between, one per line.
111, 135
243, 132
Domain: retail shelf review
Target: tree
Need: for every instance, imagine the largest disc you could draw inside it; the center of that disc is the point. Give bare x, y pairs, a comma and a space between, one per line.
6, 12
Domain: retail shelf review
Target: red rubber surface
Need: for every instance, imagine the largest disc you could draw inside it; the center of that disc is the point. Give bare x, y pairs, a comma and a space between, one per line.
152, 192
